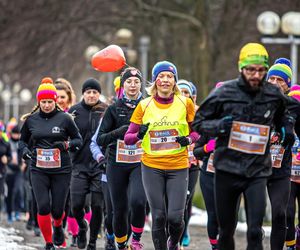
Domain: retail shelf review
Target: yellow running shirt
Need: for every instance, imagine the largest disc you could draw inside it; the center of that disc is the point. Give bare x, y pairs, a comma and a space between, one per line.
166, 122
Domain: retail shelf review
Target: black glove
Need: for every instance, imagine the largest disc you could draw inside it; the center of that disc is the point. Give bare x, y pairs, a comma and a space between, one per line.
288, 137
183, 140
143, 130
61, 145
102, 162
225, 125
73, 147
120, 132
27, 155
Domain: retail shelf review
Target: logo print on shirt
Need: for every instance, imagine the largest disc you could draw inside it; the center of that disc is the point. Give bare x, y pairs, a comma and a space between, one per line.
267, 114
55, 130
165, 122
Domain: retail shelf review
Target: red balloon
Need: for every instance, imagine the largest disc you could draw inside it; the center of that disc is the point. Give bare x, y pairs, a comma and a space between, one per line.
109, 59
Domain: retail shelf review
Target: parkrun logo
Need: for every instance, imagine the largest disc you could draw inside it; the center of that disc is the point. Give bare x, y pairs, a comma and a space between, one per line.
164, 122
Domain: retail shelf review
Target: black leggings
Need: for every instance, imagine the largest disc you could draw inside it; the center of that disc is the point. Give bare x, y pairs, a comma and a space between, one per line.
124, 181
83, 183
162, 186
291, 210
207, 188
108, 209
32, 206
33, 210
50, 191
228, 190
15, 197
193, 177
278, 190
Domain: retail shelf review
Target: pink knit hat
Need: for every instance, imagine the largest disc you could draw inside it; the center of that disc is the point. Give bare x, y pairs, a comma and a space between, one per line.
295, 92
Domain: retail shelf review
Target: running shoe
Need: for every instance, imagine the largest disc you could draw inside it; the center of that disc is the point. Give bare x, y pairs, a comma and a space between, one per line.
17, 216
110, 244
186, 239
74, 241
29, 225
81, 237
49, 246
214, 247
63, 245
171, 246
9, 219
58, 236
37, 231
136, 245
91, 246
297, 237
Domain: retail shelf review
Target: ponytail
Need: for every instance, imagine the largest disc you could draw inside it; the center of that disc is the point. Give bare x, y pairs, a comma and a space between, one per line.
35, 108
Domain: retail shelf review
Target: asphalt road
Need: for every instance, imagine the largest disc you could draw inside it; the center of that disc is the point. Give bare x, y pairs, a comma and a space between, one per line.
199, 240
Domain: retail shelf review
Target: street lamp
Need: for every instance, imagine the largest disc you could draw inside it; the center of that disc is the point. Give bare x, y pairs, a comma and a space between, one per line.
268, 23
144, 48
15, 98
124, 38
89, 52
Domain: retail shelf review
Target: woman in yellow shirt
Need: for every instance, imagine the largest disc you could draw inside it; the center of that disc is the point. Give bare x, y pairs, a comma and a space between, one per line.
162, 121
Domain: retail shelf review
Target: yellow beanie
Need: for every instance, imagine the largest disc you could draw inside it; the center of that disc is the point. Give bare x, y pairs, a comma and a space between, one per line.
253, 53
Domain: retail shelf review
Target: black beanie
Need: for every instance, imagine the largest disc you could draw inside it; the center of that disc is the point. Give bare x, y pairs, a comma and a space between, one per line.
15, 129
91, 83
129, 72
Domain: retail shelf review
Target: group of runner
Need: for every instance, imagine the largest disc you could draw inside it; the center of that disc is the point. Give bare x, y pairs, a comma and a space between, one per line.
149, 150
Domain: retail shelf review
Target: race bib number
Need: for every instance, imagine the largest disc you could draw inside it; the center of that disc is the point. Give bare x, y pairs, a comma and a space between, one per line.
192, 158
249, 138
129, 153
295, 173
210, 166
48, 158
277, 152
163, 140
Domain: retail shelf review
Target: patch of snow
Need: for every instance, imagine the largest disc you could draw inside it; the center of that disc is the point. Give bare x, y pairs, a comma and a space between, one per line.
10, 240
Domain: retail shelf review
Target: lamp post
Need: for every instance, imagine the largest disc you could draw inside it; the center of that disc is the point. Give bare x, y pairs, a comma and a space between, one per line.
124, 38
144, 48
14, 97
268, 23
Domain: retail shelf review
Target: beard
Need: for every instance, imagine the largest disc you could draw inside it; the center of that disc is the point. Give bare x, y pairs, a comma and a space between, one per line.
253, 84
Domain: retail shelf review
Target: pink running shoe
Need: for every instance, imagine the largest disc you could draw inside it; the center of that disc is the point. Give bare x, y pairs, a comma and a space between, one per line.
136, 245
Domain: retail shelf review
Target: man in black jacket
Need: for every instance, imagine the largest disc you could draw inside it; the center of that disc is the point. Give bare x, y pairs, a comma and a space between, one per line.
279, 183
86, 174
241, 114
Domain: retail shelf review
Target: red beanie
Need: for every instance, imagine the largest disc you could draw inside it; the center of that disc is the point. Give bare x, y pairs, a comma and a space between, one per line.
46, 90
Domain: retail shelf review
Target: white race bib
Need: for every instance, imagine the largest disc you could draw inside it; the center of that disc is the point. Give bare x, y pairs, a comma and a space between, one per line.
48, 158
210, 166
249, 138
277, 152
129, 153
164, 140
